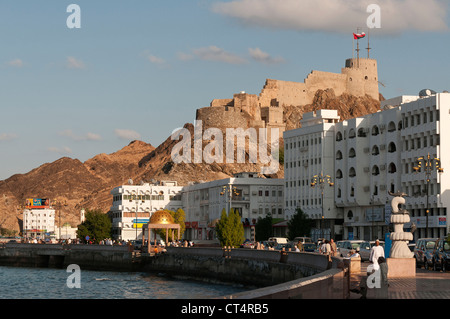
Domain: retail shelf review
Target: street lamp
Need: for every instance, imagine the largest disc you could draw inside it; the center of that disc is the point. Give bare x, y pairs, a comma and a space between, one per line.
229, 190
321, 180
428, 164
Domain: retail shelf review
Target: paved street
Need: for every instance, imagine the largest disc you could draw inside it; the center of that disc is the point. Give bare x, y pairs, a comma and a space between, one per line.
427, 284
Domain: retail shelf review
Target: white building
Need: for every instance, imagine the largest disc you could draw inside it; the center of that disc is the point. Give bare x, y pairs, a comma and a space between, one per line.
249, 194
38, 219
308, 154
373, 155
134, 204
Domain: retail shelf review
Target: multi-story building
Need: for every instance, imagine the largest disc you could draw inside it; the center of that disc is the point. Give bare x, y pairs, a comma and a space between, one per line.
373, 155
248, 193
133, 206
309, 156
38, 219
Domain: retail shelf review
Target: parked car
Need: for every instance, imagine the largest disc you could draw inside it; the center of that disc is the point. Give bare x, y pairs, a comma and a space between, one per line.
423, 252
248, 244
441, 255
278, 240
303, 240
348, 245
366, 247
309, 247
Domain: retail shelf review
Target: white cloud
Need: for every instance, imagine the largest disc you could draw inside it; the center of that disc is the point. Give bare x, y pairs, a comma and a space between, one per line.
264, 57
337, 15
73, 63
155, 59
127, 134
60, 150
18, 63
7, 136
87, 137
213, 53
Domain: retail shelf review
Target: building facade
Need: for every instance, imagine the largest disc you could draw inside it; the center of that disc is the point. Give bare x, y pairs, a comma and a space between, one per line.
38, 219
249, 194
133, 206
384, 152
309, 155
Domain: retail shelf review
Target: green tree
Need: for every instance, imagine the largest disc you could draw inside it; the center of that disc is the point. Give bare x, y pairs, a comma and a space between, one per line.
179, 217
299, 225
97, 226
229, 229
263, 228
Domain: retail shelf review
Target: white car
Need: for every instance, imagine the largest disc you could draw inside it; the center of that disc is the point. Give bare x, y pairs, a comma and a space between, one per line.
346, 246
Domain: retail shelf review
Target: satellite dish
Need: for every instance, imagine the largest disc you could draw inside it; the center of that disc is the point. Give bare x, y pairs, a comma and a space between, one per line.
130, 181
426, 92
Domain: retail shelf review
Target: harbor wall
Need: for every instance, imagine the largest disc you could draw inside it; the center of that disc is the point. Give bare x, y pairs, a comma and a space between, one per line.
273, 274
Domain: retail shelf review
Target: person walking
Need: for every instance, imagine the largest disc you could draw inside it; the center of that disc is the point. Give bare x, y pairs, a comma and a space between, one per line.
333, 248
376, 252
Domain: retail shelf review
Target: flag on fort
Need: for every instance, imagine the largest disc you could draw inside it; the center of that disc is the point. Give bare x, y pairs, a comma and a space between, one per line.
357, 36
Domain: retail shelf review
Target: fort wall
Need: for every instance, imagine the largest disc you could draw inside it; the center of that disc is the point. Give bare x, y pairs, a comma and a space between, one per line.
359, 77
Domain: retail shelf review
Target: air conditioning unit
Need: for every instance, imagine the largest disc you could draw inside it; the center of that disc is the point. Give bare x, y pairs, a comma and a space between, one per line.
366, 150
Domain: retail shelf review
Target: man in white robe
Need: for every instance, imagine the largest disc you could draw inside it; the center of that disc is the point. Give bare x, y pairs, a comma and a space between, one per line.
376, 252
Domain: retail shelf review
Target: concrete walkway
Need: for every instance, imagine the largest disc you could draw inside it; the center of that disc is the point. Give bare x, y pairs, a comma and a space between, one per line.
427, 284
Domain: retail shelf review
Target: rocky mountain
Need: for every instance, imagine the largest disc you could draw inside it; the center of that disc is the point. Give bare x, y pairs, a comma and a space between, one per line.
77, 185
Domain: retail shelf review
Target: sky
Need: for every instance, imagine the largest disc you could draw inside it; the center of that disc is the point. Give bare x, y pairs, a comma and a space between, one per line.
139, 69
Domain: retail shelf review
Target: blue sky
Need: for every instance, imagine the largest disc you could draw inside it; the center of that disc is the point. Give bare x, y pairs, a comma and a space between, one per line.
139, 69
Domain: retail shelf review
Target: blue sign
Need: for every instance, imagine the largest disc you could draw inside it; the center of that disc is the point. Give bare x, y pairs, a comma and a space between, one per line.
87, 237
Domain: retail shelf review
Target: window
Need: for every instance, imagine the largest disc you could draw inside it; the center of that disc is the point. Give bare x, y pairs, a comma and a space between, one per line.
362, 132
338, 155
375, 170
375, 130
391, 147
352, 153
338, 174
392, 168
375, 150
338, 136
352, 172
391, 127
351, 134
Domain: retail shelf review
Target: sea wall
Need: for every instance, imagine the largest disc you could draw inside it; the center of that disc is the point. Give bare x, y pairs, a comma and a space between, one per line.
275, 274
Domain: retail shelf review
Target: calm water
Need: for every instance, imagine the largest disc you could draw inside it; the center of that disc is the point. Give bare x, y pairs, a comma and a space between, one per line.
48, 283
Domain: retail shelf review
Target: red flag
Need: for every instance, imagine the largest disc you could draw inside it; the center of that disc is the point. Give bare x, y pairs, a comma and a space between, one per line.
357, 36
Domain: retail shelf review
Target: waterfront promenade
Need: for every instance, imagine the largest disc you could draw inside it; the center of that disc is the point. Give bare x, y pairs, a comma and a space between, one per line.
427, 284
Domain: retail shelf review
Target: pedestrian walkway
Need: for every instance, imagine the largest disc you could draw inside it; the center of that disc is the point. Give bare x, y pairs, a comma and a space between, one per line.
427, 284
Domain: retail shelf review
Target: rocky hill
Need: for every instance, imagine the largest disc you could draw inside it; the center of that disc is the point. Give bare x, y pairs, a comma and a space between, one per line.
78, 185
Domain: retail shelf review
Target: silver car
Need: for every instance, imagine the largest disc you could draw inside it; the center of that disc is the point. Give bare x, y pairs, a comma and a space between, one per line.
346, 246
366, 247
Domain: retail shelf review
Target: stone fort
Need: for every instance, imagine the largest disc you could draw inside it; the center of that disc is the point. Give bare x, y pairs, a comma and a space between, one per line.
359, 77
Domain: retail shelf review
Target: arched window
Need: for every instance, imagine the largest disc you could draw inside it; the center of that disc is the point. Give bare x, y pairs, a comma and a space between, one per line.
338, 174
391, 127
338, 155
392, 168
375, 150
362, 132
391, 147
351, 153
351, 133
375, 130
375, 170
351, 172
338, 136
349, 214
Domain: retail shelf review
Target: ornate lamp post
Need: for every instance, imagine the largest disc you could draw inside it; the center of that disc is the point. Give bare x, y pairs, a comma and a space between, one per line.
321, 180
428, 164
229, 190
